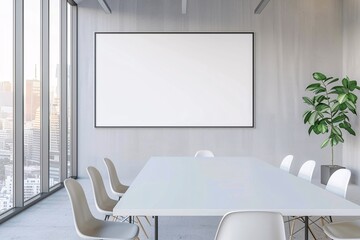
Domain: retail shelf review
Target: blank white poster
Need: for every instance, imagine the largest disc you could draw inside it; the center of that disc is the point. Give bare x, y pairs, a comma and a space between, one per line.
174, 80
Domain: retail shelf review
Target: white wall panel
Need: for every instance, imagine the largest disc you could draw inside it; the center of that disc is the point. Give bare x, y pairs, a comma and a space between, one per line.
351, 68
293, 39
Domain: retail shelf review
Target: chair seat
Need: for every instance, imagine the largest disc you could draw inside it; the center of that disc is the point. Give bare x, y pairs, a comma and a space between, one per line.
108, 206
89, 227
343, 230
120, 189
112, 230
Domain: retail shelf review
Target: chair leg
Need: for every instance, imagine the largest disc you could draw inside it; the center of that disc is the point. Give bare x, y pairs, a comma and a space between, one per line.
288, 220
312, 233
127, 218
147, 219
142, 227
292, 230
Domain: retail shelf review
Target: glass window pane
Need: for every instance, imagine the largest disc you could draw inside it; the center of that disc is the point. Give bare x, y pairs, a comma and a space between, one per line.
6, 106
69, 89
55, 86
32, 117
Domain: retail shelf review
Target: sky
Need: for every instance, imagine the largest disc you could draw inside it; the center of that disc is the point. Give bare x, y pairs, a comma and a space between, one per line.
31, 39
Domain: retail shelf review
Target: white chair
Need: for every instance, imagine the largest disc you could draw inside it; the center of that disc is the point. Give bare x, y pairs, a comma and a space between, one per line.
286, 163
307, 169
343, 230
116, 186
103, 202
306, 172
204, 153
251, 225
338, 182
87, 226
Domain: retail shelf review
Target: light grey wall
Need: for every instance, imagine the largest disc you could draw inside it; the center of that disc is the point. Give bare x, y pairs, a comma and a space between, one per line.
293, 39
351, 67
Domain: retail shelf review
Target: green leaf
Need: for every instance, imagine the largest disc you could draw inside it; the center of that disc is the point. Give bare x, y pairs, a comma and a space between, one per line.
339, 138
319, 90
345, 82
316, 130
313, 86
342, 106
324, 121
334, 141
307, 116
312, 118
335, 107
310, 129
320, 98
350, 105
352, 85
323, 128
352, 97
339, 118
308, 101
342, 98
319, 76
325, 143
337, 130
332, 81
322, 107
339, 89
353, 111
329, 78
347, 124
350, 130
306, 112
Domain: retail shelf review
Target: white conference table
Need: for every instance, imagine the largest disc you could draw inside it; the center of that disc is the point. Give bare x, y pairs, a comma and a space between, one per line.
188, 186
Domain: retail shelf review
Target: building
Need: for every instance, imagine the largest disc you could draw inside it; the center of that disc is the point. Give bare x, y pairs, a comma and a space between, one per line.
32, 98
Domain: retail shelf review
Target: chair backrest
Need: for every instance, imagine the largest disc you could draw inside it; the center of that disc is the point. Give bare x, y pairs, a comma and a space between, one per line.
286, 163
338, 182
84, 220
100, 194
113, 177
204, 153
307, 169
251, 225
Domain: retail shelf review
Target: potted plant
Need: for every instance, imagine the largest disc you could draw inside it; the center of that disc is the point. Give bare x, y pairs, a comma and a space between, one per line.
330, 107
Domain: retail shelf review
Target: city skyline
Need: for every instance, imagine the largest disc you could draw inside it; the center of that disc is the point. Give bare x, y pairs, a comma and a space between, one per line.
31, 144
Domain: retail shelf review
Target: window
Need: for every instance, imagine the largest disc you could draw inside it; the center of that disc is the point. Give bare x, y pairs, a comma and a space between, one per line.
69, 82
34, 56
6, 106
32, 98
54, 96
71, 88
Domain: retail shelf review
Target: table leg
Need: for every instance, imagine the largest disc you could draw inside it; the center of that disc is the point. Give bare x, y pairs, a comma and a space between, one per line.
156, 228
306, 228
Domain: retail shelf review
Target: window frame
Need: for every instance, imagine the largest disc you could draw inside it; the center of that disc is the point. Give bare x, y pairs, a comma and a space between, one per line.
19, 204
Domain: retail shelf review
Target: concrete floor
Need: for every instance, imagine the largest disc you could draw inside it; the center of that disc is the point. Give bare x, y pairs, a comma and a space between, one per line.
52, 219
